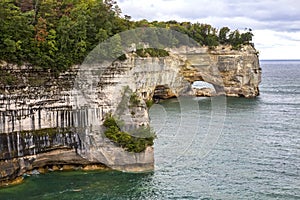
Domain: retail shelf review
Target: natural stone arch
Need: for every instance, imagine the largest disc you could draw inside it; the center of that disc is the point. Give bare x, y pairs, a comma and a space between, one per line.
65, 120
101, 83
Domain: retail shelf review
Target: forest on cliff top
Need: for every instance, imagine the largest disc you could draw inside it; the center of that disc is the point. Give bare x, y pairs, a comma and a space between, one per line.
56, 34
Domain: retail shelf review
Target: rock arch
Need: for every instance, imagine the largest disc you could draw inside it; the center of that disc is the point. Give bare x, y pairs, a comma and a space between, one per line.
78, 112
101, 83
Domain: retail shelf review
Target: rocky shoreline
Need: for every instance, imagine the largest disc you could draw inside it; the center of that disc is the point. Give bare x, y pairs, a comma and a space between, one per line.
42, 126
52, 168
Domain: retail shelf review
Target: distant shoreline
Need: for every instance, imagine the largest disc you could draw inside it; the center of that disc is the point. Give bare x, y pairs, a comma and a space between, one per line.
279, 60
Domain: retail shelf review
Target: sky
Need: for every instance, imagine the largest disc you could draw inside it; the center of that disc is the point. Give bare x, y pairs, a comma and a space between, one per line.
275, 23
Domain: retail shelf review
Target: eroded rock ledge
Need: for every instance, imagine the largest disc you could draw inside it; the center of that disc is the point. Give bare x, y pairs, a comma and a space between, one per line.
48, 120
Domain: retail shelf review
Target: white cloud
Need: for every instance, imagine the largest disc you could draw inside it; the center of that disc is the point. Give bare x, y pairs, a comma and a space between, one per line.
276, 22
277, 45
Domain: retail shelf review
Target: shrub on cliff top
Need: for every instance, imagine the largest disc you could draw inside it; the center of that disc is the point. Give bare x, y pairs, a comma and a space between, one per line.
152, 52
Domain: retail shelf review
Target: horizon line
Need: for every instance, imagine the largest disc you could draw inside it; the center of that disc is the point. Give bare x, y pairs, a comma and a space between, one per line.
280, 59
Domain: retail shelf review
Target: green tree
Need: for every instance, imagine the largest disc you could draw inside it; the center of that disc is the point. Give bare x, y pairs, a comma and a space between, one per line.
52, 43
55, 34
15, 31
223, 35
235, 39
246, 38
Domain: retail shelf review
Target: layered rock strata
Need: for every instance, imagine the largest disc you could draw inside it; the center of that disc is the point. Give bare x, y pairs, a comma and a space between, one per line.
56, 119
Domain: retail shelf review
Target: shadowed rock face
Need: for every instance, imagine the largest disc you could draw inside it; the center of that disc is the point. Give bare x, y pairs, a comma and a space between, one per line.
44, 121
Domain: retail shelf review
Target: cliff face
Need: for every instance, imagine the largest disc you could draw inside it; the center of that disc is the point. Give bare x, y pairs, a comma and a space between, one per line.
48, 121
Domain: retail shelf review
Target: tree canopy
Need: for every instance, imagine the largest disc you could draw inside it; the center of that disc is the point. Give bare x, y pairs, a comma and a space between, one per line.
55, 34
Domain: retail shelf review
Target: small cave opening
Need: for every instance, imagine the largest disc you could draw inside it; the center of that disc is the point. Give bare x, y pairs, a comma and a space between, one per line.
162, 92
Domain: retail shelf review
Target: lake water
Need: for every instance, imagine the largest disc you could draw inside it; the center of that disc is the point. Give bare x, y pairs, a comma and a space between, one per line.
253, 151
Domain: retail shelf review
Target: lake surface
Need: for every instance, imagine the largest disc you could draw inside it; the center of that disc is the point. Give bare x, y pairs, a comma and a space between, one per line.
246, 149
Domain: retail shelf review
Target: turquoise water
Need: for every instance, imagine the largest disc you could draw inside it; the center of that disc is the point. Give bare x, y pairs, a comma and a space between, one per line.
256, 156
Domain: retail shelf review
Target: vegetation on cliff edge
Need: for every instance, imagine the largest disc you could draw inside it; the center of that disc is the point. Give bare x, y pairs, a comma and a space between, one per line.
52, 34
136, 142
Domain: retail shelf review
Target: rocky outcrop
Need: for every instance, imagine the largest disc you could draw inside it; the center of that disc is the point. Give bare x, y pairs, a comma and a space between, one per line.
51, 120
235, 73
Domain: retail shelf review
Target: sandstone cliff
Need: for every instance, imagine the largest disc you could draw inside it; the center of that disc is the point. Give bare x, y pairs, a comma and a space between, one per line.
48, 121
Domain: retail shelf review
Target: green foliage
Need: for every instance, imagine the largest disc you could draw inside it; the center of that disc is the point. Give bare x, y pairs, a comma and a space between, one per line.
223, 35
8, 78
122, 57
47, 132
152, 52
135, 142
149, 103
110, 121
204, 34
134, 100
54, 35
